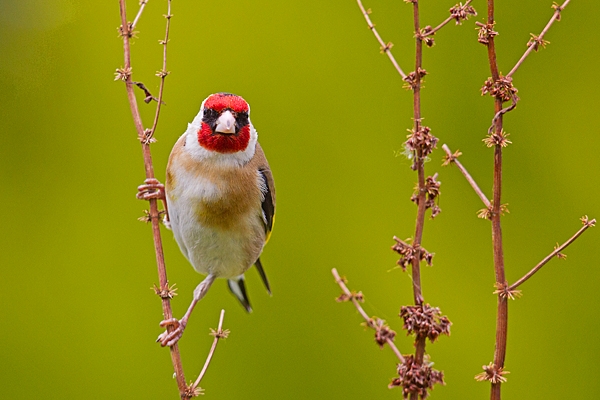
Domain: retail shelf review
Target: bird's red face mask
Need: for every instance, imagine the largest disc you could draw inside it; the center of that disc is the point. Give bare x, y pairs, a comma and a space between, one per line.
225, 124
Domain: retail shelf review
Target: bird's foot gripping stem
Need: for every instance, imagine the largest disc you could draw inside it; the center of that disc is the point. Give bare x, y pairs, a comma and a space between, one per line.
171, 338
153, 189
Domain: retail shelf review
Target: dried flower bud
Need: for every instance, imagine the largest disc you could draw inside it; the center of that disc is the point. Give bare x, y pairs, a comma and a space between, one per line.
358, 296
408, 253
487, 213
412, 78
492, 373
586, 221
537, 42
166, 292
559, 255
449, 159
557, 8
506, 292
386, 48
486, 32
432, 189
421, 141
497, 139
220, 333
383, 333
502, 89
426, 35
122, 74
462, 13
484, 213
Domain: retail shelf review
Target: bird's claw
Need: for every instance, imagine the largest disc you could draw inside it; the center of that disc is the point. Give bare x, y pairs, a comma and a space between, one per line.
151, 189
171, 338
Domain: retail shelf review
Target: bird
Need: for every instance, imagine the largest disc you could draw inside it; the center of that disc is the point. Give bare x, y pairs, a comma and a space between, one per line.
220, 199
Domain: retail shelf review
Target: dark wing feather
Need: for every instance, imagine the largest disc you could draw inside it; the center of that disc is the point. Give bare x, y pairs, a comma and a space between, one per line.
268, 209
268, 203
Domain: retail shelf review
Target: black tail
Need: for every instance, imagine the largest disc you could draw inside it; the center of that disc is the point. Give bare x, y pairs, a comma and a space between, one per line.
238, 288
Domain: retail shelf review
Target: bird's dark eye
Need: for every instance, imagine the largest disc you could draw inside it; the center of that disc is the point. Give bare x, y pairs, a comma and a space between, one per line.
241, 119
210, 116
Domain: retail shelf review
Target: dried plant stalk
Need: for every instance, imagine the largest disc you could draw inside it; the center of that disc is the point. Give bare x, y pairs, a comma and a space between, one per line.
502, 89
415, 375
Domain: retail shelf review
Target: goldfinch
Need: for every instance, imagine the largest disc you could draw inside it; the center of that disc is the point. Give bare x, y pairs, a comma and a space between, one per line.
221, 199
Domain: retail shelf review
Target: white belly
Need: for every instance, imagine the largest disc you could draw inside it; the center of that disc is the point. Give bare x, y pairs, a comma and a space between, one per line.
224, 252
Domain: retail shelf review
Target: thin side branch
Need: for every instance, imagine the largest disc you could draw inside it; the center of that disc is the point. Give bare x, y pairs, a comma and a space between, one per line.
453, 158
139, 14
218, 334
386, 48
163, 72
537, 41
369, 321
586, 224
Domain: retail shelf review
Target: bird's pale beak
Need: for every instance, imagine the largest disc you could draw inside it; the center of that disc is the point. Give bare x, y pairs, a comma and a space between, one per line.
226, 123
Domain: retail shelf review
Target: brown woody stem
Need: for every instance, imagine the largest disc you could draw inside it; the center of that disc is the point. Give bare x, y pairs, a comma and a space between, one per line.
502, 308
422, 191
126, 32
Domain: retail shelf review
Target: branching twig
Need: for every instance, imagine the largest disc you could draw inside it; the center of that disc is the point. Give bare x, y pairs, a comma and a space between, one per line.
502, 89
586, 224
385, 48
415, 375
368, 321
538, 41
458, 13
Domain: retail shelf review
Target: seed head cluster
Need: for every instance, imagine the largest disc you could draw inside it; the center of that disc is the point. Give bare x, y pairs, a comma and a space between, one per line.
432, 189
502, 89
416, 378
425, 321
409, 252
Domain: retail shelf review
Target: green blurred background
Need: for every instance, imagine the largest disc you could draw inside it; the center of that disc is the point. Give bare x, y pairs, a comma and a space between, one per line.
76, 266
